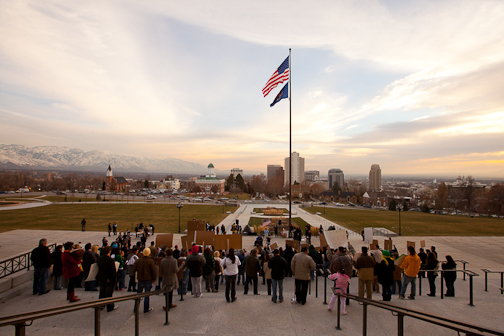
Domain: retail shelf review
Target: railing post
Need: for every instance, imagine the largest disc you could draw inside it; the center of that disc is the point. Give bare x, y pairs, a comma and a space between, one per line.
316, 284
167, 308
464, 270
470, 290
364, 318
137, 317
338, 327
97, 320
325, 289
486, 279
419, 285
20, 329
502, 279
400, 324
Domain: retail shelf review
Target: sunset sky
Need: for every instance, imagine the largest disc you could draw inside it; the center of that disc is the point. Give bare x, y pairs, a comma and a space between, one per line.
414, 86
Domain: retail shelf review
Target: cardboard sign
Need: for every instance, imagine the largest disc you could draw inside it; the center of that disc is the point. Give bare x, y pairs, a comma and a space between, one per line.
422, 243
221, 242
323, 241
196, 226
336, 238
165, 239
294, 244
274, 246
388, 244
203, 237
410, 243
400, 260
186, 243
368, 235
93, 271
305, 245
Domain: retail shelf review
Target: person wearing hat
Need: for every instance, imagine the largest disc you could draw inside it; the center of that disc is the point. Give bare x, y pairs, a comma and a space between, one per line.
386, 275
146, 274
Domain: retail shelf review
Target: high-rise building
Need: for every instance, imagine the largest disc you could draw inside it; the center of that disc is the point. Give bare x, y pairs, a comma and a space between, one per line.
336, 175
312, 175
297, 169
375, 178
271, 171
236, 171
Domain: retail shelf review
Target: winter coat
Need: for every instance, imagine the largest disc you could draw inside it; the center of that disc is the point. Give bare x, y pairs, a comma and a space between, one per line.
386, 272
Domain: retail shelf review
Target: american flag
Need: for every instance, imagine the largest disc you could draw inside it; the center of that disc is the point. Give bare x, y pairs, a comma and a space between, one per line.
266, 223
278, 77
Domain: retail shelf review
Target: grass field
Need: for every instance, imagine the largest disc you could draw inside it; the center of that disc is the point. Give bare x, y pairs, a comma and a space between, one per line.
68, 217
413, 223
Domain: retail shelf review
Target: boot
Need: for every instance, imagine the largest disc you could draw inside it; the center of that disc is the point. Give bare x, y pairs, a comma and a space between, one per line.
73, 298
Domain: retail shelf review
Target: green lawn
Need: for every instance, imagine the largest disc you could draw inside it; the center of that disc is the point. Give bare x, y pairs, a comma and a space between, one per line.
68, 216
413, 223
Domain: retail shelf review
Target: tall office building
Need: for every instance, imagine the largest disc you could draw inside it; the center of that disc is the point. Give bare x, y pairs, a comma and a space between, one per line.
336, 175
272, 170
375, 178
297, 169
312, 175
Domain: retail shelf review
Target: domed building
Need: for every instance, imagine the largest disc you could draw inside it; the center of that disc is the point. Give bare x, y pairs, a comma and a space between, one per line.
210, 184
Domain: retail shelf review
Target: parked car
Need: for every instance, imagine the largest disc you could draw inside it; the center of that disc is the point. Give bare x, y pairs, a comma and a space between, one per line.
151, 197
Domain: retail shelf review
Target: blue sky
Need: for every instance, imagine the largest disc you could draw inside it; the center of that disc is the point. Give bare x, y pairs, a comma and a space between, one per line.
413, 86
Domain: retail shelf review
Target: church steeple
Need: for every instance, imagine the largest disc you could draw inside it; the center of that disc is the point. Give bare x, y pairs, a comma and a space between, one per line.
109, 172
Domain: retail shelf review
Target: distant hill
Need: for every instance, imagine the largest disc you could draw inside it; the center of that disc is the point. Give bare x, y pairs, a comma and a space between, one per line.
74, 159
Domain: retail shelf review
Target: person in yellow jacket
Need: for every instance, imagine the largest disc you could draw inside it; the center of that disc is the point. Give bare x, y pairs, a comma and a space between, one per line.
411, 266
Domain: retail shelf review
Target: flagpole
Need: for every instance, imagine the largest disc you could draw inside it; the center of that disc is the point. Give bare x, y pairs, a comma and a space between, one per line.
290, 139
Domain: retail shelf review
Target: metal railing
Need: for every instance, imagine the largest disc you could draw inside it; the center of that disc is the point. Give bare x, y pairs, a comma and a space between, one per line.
19, 321
470, 273
402, 312
18, 263
486, 279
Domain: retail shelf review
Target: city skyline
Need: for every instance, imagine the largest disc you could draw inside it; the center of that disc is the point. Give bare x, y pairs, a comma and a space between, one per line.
413, 86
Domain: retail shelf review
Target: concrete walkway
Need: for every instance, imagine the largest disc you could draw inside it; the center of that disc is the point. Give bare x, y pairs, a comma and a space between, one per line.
253, 315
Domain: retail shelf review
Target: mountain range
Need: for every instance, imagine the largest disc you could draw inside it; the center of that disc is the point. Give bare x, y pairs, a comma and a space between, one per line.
74, 159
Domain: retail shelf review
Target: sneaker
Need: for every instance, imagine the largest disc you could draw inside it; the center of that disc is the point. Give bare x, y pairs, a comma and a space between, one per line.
344, 313
329, 309
115, 307
411, 297
44, 292
150, 310
401, 297
281, 300
273, 301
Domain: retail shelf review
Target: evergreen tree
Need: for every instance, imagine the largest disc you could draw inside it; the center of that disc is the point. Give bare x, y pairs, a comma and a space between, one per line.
392, 205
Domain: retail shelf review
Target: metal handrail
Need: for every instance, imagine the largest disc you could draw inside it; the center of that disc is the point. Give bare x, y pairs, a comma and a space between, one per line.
18, 263
486, 279
19, 320
401, 312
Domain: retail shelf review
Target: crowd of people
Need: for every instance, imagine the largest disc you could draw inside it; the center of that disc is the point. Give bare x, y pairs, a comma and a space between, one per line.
188, 271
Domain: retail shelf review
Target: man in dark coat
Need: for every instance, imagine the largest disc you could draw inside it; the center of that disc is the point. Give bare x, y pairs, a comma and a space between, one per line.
106, 276
278, 265
41, 259
88, 259
195, 263
252, 267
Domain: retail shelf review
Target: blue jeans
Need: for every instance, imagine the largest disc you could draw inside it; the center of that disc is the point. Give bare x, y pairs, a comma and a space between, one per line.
40, 279
250, 279
147, 285
184, 282
241, 274
274, 284
406, 281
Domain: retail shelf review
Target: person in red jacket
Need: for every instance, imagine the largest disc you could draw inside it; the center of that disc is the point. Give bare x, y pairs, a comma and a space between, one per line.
71, 271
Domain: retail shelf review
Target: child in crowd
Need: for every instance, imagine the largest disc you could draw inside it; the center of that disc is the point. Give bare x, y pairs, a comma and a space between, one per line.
341, 281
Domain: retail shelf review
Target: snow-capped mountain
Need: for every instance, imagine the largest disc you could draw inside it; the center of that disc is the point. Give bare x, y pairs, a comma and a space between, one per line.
64, 158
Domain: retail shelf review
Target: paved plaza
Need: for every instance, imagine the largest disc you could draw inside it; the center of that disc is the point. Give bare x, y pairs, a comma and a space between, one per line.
257, 314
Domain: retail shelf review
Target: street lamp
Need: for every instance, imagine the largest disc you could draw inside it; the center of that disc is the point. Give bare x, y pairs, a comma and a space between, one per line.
399, 208
179, 206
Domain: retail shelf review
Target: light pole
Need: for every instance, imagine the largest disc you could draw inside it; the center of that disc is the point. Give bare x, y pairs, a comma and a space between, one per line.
179, 206
399, 208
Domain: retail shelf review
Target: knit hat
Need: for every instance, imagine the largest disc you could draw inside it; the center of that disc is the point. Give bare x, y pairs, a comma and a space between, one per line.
195, 249
146, 252
386, 253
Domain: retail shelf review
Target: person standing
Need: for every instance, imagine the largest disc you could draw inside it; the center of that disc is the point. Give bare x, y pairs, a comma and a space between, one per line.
71, 271
377, 255
302, 265
365, 266
109, 228
278, 266
83, 224
183, 274
432, 267
341, 260
146, 274
423, 258
106, 276
386, 275
57, 267
230, 266
168, 270
130, 262
88, 259
252, 267
450, 276
114, 228
41, 259
218, 270
341, 281
195, 263
411, 266
241, 269
209, 270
